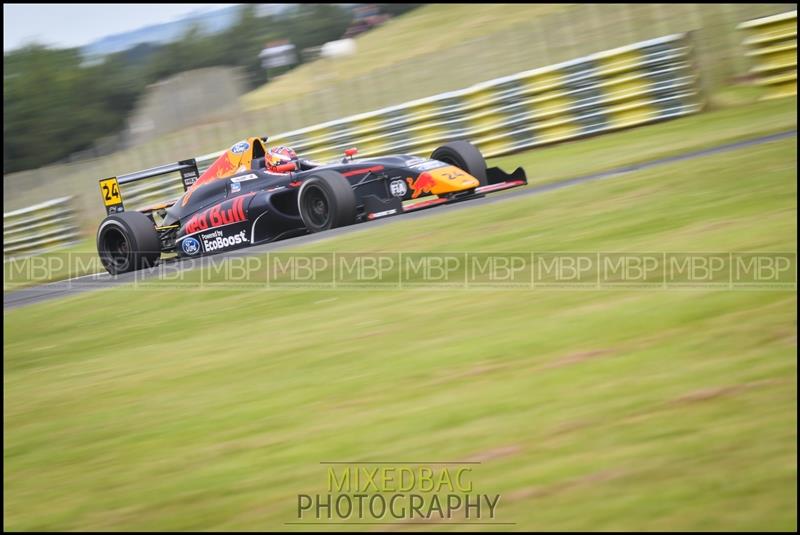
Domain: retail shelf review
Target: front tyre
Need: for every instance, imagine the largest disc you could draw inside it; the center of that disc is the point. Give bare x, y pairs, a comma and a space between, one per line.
463, 155
128, 241
326, 200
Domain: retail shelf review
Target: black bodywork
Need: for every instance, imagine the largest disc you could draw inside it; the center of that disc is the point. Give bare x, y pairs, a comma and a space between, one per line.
238, 201
257, 206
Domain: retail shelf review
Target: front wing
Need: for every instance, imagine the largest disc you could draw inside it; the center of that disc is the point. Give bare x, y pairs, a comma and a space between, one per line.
497, 179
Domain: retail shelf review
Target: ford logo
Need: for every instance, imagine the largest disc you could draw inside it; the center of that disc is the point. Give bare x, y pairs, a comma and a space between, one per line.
240, 147
190, 246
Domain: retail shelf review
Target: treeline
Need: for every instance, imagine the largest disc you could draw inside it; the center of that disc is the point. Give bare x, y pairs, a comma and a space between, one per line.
56, 104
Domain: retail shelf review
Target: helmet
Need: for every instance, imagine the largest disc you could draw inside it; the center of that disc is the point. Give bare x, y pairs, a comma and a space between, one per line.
279, 156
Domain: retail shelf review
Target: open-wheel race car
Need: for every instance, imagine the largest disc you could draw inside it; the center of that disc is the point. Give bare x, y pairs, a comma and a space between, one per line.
252, 195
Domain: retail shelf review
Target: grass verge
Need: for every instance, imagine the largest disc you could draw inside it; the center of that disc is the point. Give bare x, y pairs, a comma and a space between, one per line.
151, 408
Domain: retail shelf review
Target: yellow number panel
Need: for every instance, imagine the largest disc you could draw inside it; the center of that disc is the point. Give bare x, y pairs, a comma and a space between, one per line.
109, 189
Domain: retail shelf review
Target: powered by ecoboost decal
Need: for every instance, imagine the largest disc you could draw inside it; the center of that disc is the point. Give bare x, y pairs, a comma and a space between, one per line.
215, 241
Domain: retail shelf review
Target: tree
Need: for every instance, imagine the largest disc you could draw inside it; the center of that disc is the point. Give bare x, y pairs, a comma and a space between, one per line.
52, 98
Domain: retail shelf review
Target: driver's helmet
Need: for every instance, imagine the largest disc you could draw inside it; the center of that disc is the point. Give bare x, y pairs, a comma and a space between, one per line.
280, 155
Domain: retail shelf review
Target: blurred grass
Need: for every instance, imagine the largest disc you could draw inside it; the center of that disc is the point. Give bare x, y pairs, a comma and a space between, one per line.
648, 410
73, 261
497, 40
427, 30
544, 165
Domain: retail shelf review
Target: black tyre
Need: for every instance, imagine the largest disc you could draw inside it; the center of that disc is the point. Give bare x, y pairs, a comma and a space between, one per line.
463, 155
127, 241
326, 200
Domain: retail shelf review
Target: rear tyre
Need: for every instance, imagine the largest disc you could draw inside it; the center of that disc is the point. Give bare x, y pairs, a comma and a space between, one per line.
463, 155
128, 241
326, 200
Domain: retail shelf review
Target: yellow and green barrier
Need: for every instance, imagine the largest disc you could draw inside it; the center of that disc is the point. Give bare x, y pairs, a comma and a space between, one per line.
771, 44
48, 225
640, 83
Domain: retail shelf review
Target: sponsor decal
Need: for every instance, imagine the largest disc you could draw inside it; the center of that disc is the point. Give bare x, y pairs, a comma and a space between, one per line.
452, 174
225, 213
223, 167
244, 178
190, 246
240, 147
236, 187
381, 214
189, 178
429, 164
398, 188
423, 184
216, 240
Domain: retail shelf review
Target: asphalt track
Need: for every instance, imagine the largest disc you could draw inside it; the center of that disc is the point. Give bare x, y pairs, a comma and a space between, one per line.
54, 290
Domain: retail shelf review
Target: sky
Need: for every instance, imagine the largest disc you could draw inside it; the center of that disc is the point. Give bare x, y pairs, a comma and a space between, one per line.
71, 25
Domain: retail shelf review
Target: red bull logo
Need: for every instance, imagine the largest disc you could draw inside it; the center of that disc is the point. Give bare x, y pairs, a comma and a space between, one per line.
225, 213
222, 167
234, 160
423, 184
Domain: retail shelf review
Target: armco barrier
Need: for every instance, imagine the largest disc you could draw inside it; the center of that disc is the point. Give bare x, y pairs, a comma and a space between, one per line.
771, 43
48, 225
636, 84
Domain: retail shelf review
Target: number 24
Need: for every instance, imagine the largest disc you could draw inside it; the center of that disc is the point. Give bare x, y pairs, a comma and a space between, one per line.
111, 192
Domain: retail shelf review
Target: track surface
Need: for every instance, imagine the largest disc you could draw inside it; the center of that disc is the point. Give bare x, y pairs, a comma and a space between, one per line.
99, 281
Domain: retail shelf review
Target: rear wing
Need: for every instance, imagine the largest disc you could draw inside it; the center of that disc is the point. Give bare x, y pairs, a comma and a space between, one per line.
110, 187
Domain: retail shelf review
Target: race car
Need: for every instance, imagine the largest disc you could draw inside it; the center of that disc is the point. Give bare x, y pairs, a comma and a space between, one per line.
239, 201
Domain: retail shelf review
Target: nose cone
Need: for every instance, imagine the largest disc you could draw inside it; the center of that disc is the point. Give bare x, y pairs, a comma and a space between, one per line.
451, 179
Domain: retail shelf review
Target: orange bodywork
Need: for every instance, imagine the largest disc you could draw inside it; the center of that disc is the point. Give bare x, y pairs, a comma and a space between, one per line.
443, 180
234, 160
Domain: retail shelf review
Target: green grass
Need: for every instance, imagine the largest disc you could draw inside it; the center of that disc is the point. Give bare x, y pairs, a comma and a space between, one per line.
444, 47
74, 261
544, 165
615, 149
425, 31
148, 408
